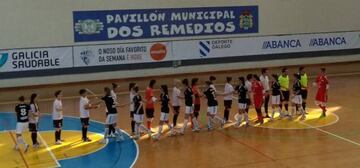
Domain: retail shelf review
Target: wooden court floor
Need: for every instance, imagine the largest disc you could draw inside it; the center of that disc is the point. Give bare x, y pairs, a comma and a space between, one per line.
335, 145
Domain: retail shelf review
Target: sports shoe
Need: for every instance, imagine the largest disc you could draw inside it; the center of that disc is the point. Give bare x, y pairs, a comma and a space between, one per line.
222, 124
303, 118
156, 137
322, 115
196, 129
103, 141
87, 140
182, 132
271, 119
237, 125
36, 146
58, 142
26, 148
112, 135
135, 137
266, 116
16, 147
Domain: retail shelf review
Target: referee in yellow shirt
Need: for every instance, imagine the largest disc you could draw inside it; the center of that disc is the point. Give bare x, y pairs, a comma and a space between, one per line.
284, 82
304, 86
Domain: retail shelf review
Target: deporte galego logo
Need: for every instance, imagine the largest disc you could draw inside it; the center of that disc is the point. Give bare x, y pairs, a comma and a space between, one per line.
3, 58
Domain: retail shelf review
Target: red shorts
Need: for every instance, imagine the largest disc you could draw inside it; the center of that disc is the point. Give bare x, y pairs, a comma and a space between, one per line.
258, 100
321, 96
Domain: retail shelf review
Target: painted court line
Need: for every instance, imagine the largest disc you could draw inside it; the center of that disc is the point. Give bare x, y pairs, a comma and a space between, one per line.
329, 133
49, 150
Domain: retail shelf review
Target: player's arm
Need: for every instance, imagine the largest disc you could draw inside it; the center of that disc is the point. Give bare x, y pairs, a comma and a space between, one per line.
33, 110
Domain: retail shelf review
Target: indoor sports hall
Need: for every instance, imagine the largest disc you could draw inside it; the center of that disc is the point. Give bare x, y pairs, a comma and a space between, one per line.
164, 83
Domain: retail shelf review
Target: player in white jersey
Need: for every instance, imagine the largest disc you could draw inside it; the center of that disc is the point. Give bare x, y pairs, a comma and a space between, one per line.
228, 97
264, 78
34, 119
139, 114
84, 109
22, 115
57, 116
176, 101
114, 89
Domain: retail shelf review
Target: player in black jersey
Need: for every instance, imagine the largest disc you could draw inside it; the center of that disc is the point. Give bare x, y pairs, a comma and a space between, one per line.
138, 114
22, 114
164, 118
210, 94
111, 118
275, 97
243, 94
296, 101
189, 108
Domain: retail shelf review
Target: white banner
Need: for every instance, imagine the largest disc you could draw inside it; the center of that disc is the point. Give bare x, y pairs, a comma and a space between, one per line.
113, 54
229, 47
35, 59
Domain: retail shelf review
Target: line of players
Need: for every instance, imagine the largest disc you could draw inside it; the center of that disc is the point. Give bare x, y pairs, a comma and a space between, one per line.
252, 91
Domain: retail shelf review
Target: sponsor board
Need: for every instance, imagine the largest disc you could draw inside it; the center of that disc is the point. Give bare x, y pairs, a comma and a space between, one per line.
231, 47
35, 59
163, 23
113, 54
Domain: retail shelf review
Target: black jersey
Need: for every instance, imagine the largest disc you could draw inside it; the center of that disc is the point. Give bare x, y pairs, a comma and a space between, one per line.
242, 93
211, 96
137, 102
297, 88
110, 104
275, 88
22, 112
188, 96
164, 103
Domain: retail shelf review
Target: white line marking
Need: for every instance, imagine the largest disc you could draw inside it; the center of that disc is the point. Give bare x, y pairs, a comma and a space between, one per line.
337, 136
49, 150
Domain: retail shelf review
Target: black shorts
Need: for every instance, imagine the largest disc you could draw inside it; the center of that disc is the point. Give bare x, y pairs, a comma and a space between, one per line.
58, 123
304, 93
131, 114
227, 103
33, 127
149, 113
285, 95
196, 107
176, 109
85, 121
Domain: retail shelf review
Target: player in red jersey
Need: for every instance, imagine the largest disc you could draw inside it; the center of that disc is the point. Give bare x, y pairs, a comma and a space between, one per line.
197, 101
321, 96
150, 100
257, 96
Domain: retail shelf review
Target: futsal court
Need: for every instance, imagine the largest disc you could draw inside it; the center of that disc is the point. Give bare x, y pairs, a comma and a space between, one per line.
333, 141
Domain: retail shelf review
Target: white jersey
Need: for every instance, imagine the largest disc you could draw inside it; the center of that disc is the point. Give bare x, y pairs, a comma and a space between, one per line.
131, 96
84, 113
57, 115
34, 109
228, 89
248, 86
265, 82
175, 96
213, 86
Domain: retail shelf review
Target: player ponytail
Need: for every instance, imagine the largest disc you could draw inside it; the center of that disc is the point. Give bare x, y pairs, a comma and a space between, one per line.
185, 82
194, 81
131, 85
152, 83
242, 80
32, 98
107, 91
228, 79
165, 89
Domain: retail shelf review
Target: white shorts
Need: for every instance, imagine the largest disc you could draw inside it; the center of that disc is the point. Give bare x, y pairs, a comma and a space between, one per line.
275, 100
242, 106
212, 110
164, 116
189, 109
139, 118
111, 119
21, 127
297, 99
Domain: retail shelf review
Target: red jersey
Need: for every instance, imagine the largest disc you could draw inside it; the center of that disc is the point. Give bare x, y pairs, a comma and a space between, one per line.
322, 83
148, 96
257, 89
196, 93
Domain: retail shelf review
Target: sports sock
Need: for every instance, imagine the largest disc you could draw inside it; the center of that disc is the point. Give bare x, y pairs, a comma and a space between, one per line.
304, 105
148, 124
196, 123
132, 126
160, 129
106, 133
34, 138
287, 107
220, 120
226, 114
185, 124
293, 111
83, 130
273, 113
20, 140
246, 116
239, 118
175, 119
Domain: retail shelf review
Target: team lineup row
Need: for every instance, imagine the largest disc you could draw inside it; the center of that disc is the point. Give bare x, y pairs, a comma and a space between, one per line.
253, 91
